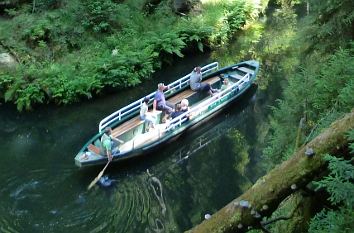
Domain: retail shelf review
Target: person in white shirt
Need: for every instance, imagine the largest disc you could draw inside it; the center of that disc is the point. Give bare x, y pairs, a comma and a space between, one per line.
145, 115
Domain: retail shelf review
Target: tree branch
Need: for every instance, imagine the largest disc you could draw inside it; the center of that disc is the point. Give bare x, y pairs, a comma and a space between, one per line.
263, 198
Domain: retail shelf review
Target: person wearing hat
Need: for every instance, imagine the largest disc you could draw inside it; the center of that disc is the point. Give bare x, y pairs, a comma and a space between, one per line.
196, 84
160, 102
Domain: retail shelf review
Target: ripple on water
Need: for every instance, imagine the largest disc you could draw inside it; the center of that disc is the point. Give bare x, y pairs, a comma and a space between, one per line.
134, 207
42, 203
37, 201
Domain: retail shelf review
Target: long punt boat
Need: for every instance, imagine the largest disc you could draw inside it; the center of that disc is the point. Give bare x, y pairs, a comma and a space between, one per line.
137, 140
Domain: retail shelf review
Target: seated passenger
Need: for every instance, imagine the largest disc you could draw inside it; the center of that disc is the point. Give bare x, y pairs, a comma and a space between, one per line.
145, 115
160, 102
196, 84
110, 143
178, 111
225, 84
185, 107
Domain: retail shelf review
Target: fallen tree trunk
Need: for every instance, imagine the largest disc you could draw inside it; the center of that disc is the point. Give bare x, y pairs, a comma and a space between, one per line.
263, 198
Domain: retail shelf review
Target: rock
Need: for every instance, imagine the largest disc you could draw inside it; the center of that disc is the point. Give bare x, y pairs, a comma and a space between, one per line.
6, 60
182, 6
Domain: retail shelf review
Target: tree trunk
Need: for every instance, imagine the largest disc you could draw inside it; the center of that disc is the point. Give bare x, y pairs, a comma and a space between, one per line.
264, 196
300, 207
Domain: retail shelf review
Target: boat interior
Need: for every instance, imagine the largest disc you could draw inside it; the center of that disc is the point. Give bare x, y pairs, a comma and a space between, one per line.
134, 132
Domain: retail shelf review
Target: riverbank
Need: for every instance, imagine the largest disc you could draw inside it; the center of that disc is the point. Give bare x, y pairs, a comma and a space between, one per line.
75, 50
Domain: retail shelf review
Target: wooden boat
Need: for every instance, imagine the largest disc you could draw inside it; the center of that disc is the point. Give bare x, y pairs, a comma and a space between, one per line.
137, 140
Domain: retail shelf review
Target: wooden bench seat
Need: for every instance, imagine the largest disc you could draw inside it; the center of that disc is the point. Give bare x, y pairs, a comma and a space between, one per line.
189, 92
236, 76
132, 123
135, 121
126, 126
246, 70
184, 95
94, 149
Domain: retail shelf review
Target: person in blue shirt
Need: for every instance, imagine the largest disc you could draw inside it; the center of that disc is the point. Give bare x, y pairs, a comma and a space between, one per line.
181, 108
160, 102
178, 111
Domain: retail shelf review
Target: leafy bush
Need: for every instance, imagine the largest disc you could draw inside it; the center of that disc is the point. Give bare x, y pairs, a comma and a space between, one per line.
339, 184
329, 20
227, 18
323, 87
40, 31
99, 15
63, 61
28, 96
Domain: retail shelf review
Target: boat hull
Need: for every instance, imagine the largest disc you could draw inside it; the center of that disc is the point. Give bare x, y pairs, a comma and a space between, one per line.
202, 111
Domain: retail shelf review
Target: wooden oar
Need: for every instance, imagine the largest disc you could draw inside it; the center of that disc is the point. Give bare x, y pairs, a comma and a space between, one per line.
98, 177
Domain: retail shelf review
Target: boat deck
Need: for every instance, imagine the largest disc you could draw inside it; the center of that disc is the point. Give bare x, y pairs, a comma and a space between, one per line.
135, 121
189, 92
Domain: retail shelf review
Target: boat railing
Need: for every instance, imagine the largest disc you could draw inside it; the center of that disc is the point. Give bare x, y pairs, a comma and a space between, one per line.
184, 81
205, 104
200, 108
135, 106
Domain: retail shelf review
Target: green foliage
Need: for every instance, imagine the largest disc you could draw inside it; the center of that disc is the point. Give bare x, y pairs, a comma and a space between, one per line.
339, 184
76, 48
28, 96
332, 78
330, 23
226, 18
321, 92
21, 91
99, 15
340, 221
351, 138
339, 181
235, 16
39, 32
63, 86
125, 69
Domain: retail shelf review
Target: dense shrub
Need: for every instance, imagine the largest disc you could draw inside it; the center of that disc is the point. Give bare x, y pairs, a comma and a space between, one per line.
99, 15
318, 93
339, 185
74, 51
